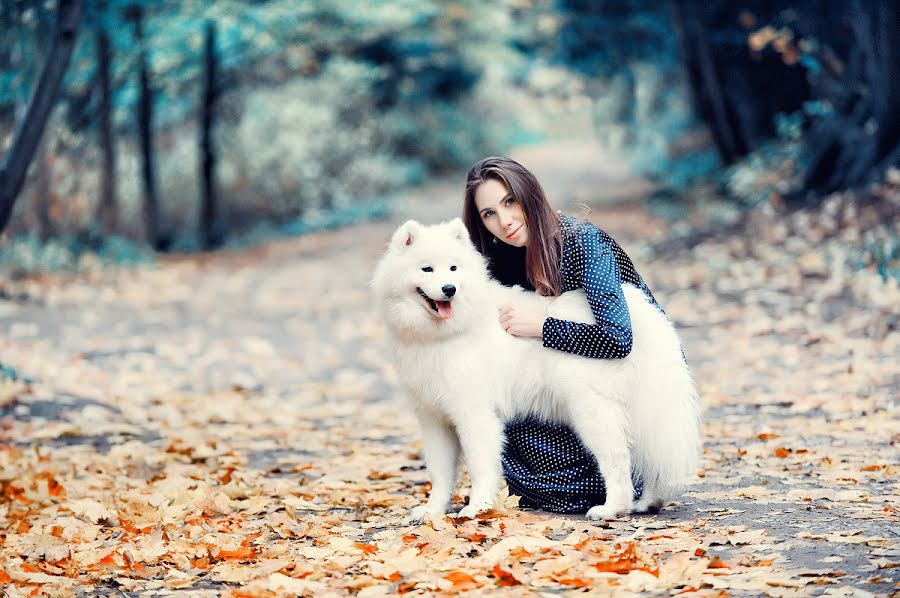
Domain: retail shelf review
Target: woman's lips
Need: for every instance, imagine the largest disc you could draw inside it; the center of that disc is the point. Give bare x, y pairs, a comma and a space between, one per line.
513, 234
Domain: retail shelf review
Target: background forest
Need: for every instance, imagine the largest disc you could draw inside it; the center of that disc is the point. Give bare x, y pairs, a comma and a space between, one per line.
180, 125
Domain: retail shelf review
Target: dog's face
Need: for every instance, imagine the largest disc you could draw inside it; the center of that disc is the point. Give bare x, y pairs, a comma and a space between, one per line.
429, 277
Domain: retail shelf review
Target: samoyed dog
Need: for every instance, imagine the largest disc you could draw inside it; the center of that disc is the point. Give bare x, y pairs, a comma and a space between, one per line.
465, 377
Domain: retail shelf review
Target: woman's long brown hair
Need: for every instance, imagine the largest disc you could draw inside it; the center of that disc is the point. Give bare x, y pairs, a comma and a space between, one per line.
543, 247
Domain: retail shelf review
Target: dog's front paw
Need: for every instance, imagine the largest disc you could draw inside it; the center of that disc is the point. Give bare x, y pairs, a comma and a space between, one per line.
422, 512
472, 510
607, 511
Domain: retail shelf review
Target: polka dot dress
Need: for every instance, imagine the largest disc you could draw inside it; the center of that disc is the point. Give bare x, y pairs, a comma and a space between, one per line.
546, 464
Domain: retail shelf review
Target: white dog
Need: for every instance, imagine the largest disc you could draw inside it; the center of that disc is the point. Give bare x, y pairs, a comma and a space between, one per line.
466, 377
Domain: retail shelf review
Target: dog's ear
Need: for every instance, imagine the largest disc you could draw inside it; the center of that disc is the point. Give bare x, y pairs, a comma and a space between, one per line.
406, 234
459, 230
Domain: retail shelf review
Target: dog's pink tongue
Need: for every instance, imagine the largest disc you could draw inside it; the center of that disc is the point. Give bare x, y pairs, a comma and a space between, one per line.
445, 310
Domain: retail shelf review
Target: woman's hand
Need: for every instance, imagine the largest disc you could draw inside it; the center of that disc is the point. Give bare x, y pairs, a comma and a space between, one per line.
522, 322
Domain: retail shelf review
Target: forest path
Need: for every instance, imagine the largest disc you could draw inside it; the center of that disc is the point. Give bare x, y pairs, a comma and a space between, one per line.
230, 420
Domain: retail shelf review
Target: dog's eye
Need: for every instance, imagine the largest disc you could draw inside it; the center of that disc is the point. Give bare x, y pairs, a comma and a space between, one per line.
453, 268
427, 269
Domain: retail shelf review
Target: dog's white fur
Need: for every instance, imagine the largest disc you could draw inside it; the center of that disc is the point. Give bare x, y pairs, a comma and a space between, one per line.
465, 377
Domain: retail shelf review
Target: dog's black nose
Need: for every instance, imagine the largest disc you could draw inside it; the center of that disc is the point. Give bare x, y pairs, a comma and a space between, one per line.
449, 290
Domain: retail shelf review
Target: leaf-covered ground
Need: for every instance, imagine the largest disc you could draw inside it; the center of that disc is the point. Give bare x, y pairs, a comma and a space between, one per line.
230, 424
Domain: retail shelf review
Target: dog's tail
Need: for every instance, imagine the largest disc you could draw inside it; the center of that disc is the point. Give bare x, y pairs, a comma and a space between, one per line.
665, 412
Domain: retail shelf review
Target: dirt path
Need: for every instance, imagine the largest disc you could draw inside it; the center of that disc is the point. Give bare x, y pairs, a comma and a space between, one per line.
229, 423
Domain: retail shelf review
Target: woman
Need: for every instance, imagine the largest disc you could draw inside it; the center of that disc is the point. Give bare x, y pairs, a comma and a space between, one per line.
528, 243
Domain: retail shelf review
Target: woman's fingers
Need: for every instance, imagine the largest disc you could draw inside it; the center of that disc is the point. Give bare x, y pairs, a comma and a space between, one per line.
520, 322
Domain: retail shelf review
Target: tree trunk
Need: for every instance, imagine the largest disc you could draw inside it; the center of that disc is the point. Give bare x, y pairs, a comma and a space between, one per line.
145, 132
857, 143
28, 134
684, 52
887, 99
209, 209
711, 87
42, 192
108, 211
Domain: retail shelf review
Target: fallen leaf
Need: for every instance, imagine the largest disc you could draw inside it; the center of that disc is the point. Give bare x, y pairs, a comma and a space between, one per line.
504, 578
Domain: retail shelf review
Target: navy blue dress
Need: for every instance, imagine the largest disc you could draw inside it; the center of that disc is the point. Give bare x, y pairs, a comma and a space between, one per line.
546, 464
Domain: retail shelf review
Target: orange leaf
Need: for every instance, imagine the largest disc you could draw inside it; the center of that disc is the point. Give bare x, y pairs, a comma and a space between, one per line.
764, 437
476, 538
700, 552
53, 487
395, 576
4, 576
201, 563
12, 492
380, 475
716, 563
367, 548
871, 468
462, 580
519, 553
781, 453
659, 537
108, 559
504, 578
489, 514
588, 540
129, 527
574, 581
226, 477
244, 553
624, 563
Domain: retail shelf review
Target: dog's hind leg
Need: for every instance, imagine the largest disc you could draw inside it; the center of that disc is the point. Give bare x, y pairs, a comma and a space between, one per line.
651, 500
481, 438
441, 457
602, 425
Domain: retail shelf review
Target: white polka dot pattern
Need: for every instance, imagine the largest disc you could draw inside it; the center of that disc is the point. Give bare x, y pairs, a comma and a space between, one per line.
546, 464
593, 261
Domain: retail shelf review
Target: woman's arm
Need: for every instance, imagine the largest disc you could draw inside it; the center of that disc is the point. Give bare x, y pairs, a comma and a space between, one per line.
610, 337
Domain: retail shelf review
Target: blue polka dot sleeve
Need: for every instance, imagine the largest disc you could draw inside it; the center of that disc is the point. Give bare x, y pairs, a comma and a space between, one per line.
592, 263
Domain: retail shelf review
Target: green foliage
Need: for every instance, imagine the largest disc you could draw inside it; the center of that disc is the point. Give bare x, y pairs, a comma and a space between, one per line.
28, 255
10, 373
330, 107
882, 254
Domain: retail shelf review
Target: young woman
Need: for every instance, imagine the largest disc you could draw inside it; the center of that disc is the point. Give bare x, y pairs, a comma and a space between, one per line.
529, 244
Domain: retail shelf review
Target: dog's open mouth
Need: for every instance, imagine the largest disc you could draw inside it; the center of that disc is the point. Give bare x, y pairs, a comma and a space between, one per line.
443, 309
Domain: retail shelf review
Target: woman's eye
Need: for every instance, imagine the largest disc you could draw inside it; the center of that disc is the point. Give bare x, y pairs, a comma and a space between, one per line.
510, 201
453, 268
488, 214
427, 269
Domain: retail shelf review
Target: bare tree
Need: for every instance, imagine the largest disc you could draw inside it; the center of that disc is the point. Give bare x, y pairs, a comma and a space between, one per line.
29, 132
108, 213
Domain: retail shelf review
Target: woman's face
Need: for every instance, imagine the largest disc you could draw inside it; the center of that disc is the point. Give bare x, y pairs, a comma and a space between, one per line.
501, 214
